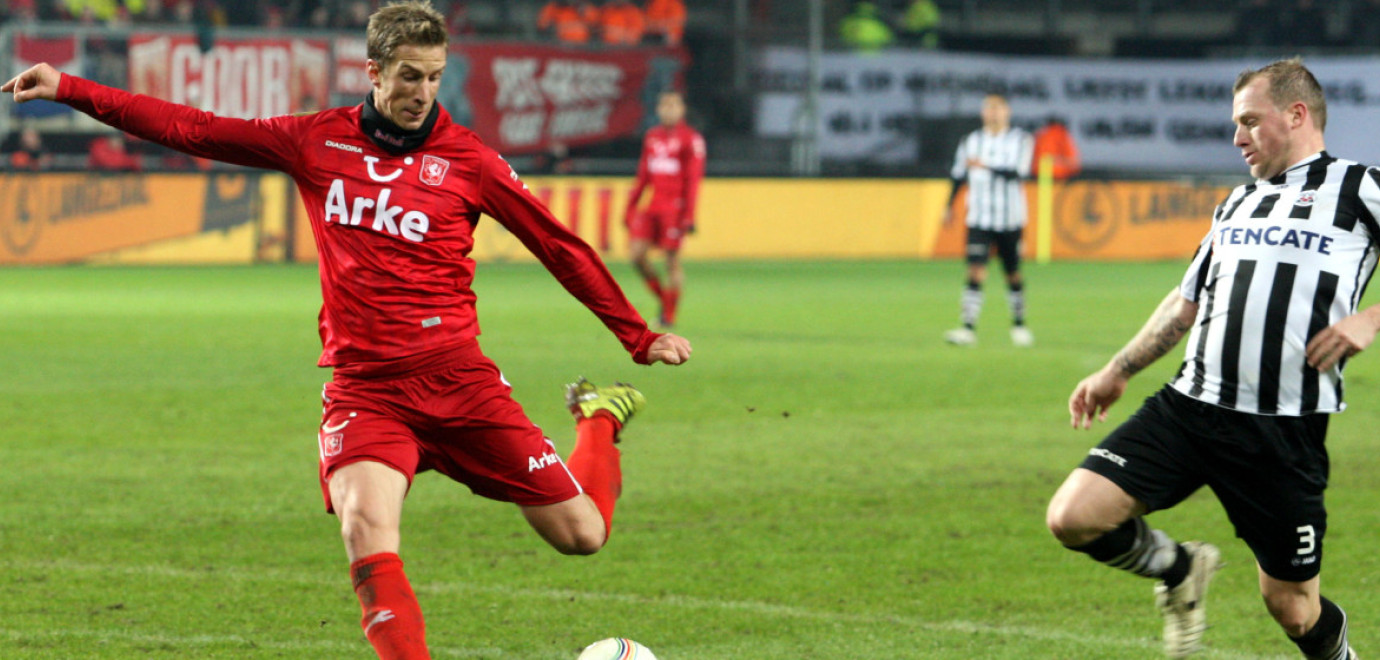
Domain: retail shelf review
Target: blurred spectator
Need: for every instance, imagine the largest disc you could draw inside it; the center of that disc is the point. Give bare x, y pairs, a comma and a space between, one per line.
273, 19
555, 160
110, 153
202, 13
1054, 140
178, 161
153, 12
103, 11
621, 23
864, 29
920, 24
1365, 24
666, 21
568, 21
356, 15
458, 20
29, 154
20, 11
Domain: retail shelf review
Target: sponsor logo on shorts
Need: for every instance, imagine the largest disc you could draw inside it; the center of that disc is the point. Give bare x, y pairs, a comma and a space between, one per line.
1098, 451
548, 459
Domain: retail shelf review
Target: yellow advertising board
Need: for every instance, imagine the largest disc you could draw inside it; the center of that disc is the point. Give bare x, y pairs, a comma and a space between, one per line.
254, 216
141, 218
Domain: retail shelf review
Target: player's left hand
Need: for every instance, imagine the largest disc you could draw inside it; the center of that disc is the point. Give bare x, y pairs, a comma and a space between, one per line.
1341, 340
39, 82
669, 349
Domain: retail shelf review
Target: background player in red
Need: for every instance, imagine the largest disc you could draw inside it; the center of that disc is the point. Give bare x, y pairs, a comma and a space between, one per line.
673, 164
393, 190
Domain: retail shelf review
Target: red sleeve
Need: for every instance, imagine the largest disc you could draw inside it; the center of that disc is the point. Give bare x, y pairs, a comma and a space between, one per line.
574, 263
639, 184
692, 165
264, 143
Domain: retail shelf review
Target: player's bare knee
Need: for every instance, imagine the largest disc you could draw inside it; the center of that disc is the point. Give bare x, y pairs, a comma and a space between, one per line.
580, 543
1068, 527
359, 527
1291, 611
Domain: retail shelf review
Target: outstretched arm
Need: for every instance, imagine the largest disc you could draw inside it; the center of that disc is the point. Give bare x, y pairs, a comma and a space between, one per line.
1095, 394
266, 143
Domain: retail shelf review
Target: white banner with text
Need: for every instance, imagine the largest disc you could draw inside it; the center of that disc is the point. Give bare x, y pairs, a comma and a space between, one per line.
1142, 115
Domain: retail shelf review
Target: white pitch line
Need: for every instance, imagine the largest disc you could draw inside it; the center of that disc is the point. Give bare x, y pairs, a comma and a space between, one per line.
217, 640
674, 600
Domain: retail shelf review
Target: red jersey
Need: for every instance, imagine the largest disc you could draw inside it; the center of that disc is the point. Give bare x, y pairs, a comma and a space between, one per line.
393, 231
673, 163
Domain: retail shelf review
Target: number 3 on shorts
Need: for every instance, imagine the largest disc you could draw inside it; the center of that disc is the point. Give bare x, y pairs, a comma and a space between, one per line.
1307, 539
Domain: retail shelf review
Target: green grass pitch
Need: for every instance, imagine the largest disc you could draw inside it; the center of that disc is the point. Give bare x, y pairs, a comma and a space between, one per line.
826, 479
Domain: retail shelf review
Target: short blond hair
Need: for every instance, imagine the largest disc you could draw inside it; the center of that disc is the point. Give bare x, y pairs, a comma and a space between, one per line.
1290, 82
412, 23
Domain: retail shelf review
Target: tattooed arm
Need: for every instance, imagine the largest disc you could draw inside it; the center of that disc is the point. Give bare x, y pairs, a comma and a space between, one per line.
1166, 327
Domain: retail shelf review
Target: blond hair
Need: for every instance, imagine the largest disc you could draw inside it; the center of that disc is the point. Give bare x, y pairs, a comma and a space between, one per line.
412, 23
1290, 82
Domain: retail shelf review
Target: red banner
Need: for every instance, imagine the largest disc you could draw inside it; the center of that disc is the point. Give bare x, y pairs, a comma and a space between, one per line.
244, 78
522, 98
64, 53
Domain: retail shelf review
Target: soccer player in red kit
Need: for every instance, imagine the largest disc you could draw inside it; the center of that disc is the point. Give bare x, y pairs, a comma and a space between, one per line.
394, 189
673, 164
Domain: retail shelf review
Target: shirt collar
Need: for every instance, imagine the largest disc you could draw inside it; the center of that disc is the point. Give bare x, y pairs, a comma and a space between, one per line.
391, 137
1282, 176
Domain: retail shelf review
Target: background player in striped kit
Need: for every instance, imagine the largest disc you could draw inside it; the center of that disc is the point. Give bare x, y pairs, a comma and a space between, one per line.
1269, 306
990, 163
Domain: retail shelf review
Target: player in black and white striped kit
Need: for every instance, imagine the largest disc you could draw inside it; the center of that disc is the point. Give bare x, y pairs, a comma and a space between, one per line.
991, 163
1269, 305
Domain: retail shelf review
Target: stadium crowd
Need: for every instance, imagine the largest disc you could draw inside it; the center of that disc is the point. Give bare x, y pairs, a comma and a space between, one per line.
611, 22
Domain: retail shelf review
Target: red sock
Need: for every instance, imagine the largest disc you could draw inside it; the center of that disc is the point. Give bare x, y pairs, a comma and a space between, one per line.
654, 283
595, 463
392, 618
669, 299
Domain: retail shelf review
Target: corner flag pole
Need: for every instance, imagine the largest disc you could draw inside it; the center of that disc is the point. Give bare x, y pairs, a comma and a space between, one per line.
1044, 210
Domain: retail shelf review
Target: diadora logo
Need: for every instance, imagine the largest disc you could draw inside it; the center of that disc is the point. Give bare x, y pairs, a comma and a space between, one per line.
392, 220
545, 460
344, 147
434, 170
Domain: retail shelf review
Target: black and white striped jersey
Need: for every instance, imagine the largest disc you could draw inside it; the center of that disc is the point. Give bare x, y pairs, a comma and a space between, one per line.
1285, 258
996, 197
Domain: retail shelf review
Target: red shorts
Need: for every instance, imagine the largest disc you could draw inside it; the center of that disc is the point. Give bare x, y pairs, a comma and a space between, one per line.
660, 227
457, 418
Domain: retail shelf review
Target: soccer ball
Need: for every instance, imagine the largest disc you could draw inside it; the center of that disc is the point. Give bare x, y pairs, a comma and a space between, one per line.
616, 648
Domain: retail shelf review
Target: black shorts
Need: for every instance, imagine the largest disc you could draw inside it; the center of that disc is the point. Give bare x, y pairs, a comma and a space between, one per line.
1269, 472
1008, 244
